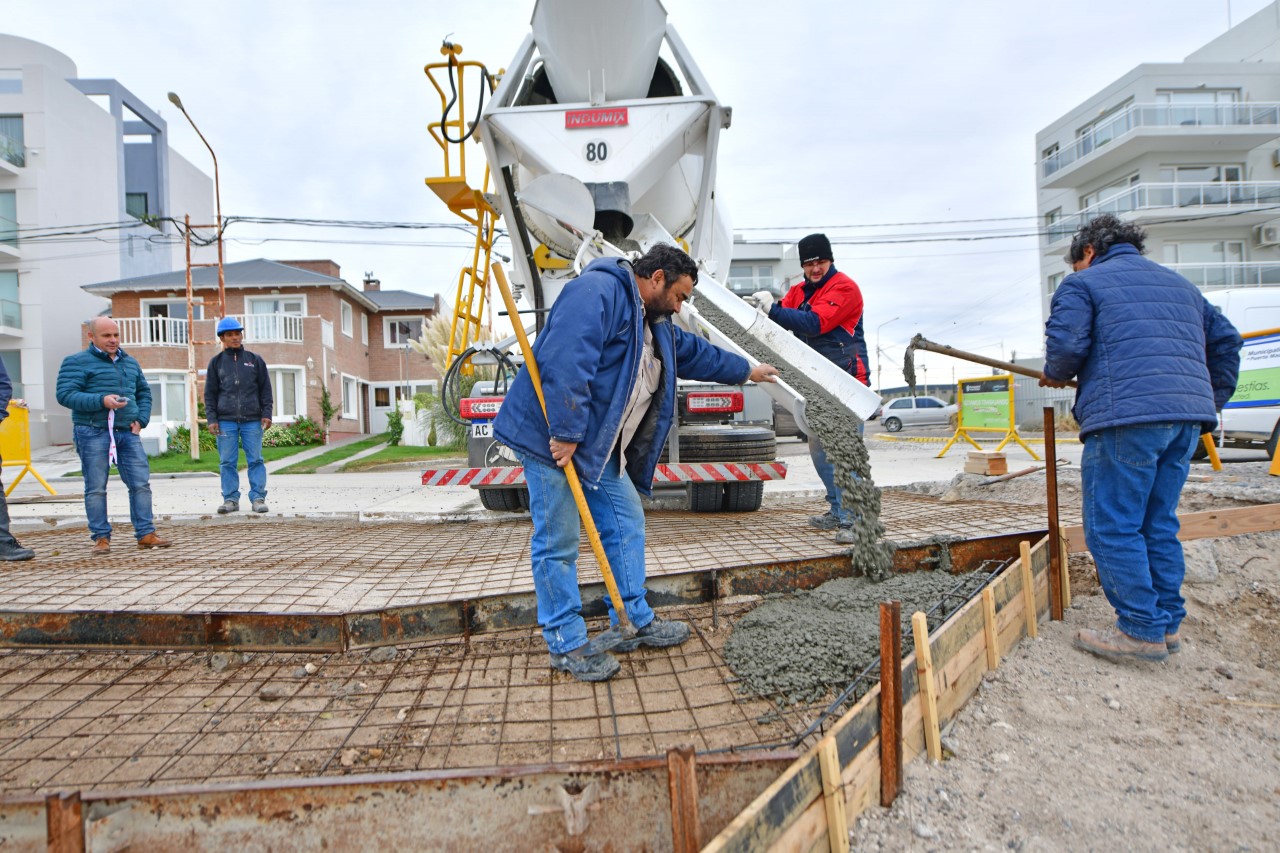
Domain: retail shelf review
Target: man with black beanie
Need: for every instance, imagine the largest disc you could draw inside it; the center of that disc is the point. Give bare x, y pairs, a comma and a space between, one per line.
824, 311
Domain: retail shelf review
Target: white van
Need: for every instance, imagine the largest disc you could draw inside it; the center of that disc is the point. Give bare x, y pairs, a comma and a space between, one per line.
1244, 421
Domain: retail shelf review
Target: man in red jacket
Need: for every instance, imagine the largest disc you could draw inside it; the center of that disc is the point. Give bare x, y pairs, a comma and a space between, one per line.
824, 311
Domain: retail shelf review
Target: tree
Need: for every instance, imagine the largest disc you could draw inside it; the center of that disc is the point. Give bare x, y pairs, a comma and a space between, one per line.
327, 409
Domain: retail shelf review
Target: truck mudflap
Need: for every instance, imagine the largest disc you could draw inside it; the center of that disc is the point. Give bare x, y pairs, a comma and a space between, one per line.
665, 474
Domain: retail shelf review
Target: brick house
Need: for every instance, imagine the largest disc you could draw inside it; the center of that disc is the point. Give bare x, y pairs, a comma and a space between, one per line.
312, 328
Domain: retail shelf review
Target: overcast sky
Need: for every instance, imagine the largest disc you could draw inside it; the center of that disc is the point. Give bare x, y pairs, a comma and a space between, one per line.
846, 115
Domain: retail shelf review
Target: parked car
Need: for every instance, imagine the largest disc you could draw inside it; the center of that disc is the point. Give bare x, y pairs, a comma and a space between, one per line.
917, 411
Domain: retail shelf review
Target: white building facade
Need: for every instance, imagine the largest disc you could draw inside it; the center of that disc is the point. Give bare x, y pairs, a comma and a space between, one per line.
87, 180
1190, 151
763, 265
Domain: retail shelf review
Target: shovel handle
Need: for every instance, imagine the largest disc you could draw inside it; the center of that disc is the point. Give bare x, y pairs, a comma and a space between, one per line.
942, 349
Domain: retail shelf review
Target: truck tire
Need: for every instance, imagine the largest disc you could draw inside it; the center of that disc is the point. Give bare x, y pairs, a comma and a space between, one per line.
743, 497
1200, 452
505, 500
893, 424
723, 443
705, 497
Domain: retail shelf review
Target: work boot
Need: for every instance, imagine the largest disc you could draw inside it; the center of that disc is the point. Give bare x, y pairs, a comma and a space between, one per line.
13, 552
102, 546
586, 664
1114, 644
658, 634
1173, 642
824, 522
844, 536
151, 540
229, 506
259, 506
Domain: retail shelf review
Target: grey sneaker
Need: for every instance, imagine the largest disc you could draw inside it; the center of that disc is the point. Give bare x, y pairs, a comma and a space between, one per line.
658, 634
586, 664
1114, 644
229, 506
1173, 642
824, 522
844, 536
260, 506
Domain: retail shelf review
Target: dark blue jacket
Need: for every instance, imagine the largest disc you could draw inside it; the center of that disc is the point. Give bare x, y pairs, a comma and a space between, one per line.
1143, 342
237, 387
87, 376
588, 355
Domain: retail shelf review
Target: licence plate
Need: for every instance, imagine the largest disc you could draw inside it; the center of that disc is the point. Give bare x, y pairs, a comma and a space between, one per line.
484, 430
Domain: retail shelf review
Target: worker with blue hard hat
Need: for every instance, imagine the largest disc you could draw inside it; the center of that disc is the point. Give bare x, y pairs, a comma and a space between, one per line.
237, 404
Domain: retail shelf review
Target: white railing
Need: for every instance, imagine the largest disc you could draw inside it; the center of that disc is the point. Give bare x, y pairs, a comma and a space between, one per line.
1260, 114
1217, 276
152, 332
1215, 195
271, 328
10, 314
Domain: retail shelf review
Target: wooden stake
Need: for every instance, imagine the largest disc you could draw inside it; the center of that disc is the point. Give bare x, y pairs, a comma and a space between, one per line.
989, 628
928, 689
64, 825
890, 701
833, 795
1066, 575
682, 781
1028, 589
1056, 569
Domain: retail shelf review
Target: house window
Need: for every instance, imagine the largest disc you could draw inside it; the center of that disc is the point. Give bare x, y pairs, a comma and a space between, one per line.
10, 307
9, 217
364, 328
10, 81
1116, 197
1054, 281
135, 204
168, 396
346, 319
400, 330
350, 404
11, 139
12, 360
284, 392
1193, 107
1117, 122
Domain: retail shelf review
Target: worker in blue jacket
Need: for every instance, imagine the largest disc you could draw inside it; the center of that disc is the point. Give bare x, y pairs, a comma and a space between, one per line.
1154, 362
110, 403
609, 357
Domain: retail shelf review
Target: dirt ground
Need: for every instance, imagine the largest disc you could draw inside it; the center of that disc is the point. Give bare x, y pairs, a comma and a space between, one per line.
1060, 750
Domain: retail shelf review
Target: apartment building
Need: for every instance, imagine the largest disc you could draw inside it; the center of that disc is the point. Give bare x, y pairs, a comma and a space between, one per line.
1189, 150
314, 330
87, 179
758, 266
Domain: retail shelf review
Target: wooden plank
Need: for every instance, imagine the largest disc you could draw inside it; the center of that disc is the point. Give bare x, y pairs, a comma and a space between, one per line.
833, 796
1262, 518
1066, 574
682, 782
928, 689
989, 629
64, 823
1028, 590
890, 701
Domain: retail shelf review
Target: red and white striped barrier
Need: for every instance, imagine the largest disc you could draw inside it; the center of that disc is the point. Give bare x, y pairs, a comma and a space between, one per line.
677, 472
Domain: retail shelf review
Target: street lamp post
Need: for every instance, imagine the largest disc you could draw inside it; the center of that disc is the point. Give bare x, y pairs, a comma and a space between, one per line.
880, 354
193, 425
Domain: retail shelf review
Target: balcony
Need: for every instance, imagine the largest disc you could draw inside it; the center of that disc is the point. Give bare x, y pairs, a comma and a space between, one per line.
10, 317
1144, 128
1218, 276
9, 250
745, 285
1152, 203
13, 155
172, 332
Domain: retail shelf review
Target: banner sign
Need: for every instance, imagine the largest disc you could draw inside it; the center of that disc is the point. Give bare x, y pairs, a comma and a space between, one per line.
986, 403
600, 117
1259, 383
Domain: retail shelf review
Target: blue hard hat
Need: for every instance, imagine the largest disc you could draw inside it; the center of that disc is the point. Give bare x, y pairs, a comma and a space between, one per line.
229, 324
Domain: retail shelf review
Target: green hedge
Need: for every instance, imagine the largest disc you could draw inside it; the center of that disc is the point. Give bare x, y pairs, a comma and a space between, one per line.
300, 433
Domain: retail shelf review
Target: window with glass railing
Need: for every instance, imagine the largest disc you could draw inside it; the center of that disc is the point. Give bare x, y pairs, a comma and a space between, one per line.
9, 217
12, 360
12, 147
10, 307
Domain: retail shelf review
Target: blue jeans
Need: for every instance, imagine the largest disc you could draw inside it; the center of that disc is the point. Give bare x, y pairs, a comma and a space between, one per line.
93, 444
1132, 477
231, 436
615, 507
827, 474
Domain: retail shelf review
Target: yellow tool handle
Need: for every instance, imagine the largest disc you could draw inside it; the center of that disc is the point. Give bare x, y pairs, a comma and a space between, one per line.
575, 485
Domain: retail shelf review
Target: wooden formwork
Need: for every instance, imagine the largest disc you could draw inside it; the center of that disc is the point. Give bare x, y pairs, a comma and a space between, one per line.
792, 813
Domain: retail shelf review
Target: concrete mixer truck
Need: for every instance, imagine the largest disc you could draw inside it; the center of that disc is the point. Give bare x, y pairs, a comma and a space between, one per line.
600, 138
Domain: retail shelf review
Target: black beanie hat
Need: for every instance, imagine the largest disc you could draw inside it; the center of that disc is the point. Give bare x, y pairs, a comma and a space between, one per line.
815, 247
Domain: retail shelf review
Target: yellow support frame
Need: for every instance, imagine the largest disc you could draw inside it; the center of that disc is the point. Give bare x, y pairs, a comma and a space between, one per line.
460, 197
962, 431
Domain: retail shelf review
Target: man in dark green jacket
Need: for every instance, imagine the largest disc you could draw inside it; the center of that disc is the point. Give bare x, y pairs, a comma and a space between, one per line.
110, 403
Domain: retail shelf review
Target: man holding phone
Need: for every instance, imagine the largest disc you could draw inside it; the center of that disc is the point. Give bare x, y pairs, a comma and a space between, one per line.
110, 403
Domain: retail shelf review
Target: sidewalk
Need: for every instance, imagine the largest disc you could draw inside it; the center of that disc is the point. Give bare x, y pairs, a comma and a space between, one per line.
398, 495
